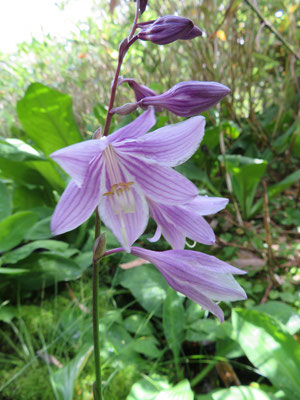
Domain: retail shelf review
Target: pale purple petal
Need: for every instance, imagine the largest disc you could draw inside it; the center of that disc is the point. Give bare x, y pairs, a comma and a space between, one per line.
177, 222
199, 276
156, 236
160, 183
78, 203
136, 128
126, 226
195, 293
171, 232
205, 205
75, 159
171, 145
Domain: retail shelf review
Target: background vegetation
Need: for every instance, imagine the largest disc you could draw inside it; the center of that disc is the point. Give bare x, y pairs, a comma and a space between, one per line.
156, 344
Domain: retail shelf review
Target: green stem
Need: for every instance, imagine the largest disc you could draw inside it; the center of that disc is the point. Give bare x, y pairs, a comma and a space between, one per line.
96, 336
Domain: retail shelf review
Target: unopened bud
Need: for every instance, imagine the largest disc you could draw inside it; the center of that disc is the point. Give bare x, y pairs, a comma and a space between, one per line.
99, 247
168, 29
140, 91
125, 109
143, 5
188, 98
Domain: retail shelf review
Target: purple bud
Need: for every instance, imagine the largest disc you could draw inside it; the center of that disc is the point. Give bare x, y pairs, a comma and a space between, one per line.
125, 109
188, 98
168, 29
143, 5
140, 91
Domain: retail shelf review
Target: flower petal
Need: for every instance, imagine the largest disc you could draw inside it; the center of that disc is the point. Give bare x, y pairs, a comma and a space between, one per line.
171, 145
160, 183
75, 159
205, 205
136, 128
127, 227
178, 222
171, 232
78, 203
156, 235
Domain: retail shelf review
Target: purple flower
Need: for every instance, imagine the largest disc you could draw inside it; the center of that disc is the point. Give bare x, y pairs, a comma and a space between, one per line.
119, 173
200, 277
188, 98
178, 222
168, 29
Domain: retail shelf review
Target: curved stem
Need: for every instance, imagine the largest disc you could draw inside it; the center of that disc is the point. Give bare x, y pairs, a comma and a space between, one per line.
122, 54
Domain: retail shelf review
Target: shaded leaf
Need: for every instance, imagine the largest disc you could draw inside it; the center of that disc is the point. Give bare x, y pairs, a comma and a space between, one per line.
14, 228
270, 349
238, 393
5, 208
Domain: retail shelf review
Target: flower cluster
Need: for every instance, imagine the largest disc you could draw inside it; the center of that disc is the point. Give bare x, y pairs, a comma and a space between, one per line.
129, 175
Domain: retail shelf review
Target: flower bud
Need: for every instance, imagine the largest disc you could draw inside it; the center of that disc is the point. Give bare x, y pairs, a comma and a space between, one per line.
143, 5
125, 109
168, 29
188, 98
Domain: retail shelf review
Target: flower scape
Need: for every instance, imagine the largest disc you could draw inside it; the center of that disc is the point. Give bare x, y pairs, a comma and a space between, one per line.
129, 175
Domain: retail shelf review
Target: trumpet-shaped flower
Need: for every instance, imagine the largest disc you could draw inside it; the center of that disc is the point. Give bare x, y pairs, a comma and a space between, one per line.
176, 223
201, 277
120, 172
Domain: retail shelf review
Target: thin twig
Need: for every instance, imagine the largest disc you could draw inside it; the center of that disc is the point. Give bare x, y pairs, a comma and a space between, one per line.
271, 28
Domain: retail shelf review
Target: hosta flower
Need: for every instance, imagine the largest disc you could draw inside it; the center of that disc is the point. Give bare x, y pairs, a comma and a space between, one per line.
201, 277
168, 29
119, 173
176, 223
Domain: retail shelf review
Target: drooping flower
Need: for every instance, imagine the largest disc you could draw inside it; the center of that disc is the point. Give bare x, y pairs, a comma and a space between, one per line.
201, 277
176, 223
168, 29
119, 172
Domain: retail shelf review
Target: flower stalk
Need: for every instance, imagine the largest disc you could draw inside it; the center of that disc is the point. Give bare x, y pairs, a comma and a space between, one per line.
96, 335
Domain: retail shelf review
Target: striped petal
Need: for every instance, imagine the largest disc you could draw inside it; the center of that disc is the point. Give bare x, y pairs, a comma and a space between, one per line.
171, 145
78, 203
136, 128
205, 205
178, 222
197, 276
75, 159
159, 183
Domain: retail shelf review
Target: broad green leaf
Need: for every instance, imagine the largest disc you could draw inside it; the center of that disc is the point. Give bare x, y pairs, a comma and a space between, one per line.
8, 313
147, 346
17, 150
139, 324
63, 380
274, 352
284, 313
40, 230
182, 391
148, 388
25, 198
202, 329
42, 270
24, 251
14, 228
238, 393
173, 321
21, 172
46, 116
5, 208
147, 285
246, 174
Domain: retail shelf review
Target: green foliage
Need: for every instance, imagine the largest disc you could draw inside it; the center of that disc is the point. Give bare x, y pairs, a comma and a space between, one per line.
260, 336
